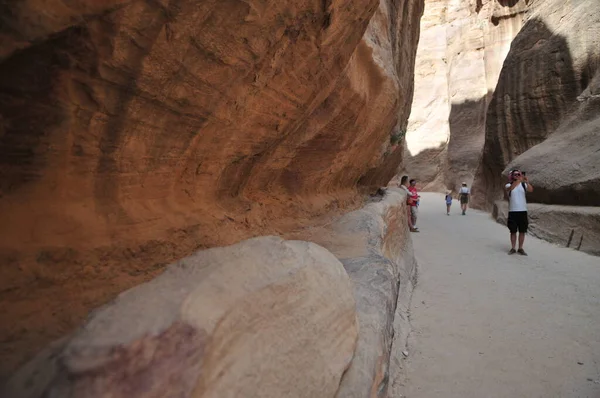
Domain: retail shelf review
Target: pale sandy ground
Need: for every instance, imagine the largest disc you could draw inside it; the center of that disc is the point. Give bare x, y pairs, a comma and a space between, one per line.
486, 324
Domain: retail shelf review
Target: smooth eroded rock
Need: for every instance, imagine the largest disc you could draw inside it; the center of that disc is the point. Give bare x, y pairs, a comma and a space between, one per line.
375, 247
265, 317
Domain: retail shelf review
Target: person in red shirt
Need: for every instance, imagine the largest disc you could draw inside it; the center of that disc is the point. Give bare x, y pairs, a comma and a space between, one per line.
409, 201
414, 206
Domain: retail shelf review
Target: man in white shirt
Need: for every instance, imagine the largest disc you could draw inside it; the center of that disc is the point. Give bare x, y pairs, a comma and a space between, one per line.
516, 191
464, 195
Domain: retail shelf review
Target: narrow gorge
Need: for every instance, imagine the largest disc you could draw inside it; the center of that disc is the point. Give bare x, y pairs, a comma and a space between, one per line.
512, 84
199, 198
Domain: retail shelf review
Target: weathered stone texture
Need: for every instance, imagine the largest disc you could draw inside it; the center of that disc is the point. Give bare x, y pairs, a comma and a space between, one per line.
462, 48
134, 133
543, 117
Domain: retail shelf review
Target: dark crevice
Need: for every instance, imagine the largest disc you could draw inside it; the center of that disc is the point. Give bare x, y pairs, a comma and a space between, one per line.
28, 110
479, 6
326, 8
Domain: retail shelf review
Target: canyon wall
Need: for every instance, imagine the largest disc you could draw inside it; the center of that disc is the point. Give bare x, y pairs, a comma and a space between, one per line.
461, 51
134, 133
510, 83
544, 118
266, 317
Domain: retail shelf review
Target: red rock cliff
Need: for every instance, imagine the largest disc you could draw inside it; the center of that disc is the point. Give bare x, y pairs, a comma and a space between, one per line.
132, 133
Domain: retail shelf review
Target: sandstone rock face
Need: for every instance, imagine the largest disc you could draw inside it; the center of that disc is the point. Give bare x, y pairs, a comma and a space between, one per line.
461, 51
265, 317
134, 133
543, 117
375, 247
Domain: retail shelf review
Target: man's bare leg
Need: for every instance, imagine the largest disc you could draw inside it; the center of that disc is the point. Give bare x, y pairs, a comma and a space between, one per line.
513, 240
521, 240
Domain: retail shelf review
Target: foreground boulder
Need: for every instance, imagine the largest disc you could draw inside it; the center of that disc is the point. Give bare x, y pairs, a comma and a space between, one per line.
265, 317
375, 247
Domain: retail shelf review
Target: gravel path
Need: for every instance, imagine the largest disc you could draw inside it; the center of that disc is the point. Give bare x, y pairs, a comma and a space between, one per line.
486, 324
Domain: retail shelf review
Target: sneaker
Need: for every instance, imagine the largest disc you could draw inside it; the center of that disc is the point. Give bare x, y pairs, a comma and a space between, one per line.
464, 213
512, 251
521, 252
414, 230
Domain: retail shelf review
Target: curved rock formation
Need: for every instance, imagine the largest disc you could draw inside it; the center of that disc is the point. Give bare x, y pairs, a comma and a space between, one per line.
374, 245
133, 133
264, 317
543, 117
460, 55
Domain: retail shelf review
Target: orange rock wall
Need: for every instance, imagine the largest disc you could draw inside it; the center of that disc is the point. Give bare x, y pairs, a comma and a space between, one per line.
132, 133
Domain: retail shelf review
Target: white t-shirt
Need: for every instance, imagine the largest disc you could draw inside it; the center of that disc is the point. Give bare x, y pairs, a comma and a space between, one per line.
464, 190
517, 200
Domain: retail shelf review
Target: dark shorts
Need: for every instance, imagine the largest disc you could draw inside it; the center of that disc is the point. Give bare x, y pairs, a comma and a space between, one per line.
517, 221
464, 199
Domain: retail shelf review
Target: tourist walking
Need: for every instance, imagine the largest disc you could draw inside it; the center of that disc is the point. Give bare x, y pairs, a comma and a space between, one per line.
516, 190
448, 202
464, 194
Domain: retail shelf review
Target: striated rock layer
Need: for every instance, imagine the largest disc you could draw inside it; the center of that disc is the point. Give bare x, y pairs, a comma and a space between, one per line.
461, 51
544, 116
265, 317
133, 133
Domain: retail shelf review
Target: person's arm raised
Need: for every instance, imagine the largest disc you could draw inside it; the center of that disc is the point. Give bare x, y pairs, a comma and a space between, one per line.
529, 186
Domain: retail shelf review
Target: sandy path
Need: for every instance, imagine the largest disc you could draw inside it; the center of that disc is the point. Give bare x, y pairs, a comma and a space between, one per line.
486, 324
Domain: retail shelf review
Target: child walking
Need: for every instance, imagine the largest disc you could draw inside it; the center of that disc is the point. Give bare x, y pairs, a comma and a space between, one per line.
448, 202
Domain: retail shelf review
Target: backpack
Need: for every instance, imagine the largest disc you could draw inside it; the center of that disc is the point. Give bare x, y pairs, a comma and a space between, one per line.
524, 188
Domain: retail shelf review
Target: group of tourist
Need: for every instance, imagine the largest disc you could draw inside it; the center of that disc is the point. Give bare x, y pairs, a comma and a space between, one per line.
463, 195
515, 190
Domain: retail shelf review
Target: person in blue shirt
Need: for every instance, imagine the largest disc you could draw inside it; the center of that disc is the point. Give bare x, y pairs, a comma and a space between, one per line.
448, 202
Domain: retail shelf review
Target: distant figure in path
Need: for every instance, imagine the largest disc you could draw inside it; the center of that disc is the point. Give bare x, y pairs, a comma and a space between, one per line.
464, 194
448, 202
410, 201
414, 208
516, 191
